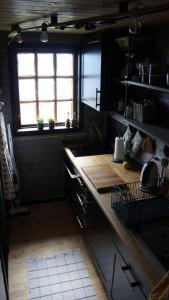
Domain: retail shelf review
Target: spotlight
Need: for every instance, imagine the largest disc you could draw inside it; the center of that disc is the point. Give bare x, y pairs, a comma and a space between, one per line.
44, 34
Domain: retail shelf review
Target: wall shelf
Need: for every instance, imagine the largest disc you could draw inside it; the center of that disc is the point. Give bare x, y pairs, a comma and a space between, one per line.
147, 86
155, 132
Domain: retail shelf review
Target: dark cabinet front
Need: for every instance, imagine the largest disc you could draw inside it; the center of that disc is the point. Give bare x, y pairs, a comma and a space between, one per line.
120, 274
100, 68
3, 280
124, 285
100, 242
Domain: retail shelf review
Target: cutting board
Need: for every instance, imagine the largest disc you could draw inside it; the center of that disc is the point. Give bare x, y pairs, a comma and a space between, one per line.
103, 177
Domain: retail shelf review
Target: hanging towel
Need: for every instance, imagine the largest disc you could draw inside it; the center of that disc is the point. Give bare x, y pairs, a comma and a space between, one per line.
15, 174
7, 169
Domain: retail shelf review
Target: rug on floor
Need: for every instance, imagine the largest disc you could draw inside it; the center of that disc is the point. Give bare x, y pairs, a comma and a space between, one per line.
60, 277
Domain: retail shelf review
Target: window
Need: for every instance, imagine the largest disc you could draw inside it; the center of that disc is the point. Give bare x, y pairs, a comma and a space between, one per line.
45, 88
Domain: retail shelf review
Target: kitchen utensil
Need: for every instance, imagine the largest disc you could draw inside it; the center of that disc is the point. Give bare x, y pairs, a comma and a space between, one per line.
149, 175
147, 145
118, 150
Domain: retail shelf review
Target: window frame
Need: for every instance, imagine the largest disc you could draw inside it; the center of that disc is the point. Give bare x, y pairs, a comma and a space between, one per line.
13, 74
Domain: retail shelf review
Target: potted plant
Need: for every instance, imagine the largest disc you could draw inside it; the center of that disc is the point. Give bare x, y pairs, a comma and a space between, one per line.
40, 123
51, 123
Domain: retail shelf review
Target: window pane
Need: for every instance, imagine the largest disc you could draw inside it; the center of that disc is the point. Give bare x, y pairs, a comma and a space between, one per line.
46, 110
28, 113
26, 64
45, 64
62, 110
64, 64
46, 89
26, 89
64, 89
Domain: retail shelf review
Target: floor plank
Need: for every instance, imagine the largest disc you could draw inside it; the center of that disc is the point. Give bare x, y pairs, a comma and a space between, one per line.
50, 228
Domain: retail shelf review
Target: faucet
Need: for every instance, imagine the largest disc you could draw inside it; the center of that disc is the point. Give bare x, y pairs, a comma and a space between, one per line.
95, 134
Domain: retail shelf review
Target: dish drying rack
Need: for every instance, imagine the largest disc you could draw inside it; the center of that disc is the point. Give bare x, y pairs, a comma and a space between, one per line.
135, 203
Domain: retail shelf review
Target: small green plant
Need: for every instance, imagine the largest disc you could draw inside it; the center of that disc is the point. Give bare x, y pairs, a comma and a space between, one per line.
40, 123
40, 120
51, 123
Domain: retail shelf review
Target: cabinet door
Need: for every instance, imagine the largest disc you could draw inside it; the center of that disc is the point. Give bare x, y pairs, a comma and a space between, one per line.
91, 75
3, 229
101, 246
124, 285
2, 285
3, 280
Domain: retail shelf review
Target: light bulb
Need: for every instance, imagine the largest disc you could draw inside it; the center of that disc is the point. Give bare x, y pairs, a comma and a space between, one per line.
44, 34
135, 25
19, 37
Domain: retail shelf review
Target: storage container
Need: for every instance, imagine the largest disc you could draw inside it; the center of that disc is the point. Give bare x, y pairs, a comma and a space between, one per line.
144, 113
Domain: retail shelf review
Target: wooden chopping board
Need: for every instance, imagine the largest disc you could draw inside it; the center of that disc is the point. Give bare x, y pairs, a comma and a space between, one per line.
102, 177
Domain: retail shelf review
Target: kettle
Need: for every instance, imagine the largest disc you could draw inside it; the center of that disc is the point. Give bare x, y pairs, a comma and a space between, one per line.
149, 175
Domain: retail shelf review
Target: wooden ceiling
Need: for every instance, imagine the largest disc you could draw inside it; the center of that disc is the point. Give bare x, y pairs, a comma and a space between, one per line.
31, 13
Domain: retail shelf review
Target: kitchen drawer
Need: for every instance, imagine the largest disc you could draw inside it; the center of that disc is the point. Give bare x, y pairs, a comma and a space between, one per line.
125, 284
144, 284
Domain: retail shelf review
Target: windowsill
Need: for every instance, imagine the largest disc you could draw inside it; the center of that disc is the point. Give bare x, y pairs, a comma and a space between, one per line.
46, 131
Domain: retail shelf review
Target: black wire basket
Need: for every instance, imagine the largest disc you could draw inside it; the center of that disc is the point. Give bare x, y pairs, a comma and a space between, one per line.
137, 203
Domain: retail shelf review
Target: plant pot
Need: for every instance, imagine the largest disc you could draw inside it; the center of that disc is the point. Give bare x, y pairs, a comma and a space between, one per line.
51, 126
40, 126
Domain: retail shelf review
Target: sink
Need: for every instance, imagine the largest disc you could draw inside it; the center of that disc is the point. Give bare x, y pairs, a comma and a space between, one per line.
89, 150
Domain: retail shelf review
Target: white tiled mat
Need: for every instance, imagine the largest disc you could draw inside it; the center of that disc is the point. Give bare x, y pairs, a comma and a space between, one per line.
60, 277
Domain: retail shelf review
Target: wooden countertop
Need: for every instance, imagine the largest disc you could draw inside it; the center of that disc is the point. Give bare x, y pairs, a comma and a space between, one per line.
129, 239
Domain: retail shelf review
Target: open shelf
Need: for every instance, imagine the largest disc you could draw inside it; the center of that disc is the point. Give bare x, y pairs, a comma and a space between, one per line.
147, 86
155, 132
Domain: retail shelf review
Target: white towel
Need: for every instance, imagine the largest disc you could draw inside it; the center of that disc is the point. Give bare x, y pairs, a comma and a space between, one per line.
7, 167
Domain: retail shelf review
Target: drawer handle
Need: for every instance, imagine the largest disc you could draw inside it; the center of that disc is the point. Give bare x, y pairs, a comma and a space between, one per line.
79, 222
97, 92
73, 176
81, 203
126, 270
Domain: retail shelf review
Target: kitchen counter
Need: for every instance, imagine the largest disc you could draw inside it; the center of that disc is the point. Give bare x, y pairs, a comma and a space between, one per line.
146, 262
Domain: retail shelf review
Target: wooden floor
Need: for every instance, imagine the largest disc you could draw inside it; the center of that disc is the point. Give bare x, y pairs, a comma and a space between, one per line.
48, 229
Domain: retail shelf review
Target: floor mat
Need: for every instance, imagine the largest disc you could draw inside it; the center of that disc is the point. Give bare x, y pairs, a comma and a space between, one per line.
60, 277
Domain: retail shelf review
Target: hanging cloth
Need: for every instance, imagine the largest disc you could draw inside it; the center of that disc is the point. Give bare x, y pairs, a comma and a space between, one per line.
7, 168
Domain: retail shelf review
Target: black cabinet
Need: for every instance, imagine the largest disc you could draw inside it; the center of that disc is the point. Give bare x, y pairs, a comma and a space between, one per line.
101, 246
3, 230
3, 248
78, 196
119, 272
125, 285
100, 67
3, 279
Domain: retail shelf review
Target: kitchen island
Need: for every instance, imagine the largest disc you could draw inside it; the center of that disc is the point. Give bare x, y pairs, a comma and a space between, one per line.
143, 259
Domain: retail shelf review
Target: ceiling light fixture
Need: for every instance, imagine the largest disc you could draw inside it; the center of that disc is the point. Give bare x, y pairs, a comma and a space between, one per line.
97, 21
44, 34
19, 37
135, 25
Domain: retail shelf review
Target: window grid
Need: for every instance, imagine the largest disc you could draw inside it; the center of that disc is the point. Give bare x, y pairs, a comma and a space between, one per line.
55, 77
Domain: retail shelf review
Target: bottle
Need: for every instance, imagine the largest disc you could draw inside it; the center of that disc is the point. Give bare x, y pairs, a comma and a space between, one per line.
129, 111
67, 123
127, 151
74, 120
121, 105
